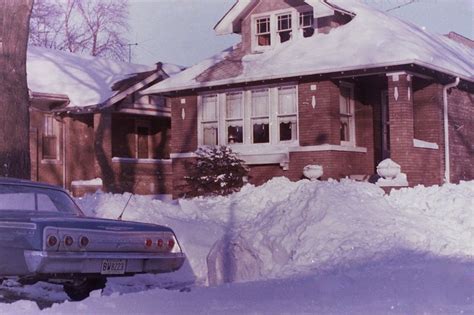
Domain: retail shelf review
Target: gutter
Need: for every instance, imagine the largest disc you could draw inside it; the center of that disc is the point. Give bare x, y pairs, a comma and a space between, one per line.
447, 168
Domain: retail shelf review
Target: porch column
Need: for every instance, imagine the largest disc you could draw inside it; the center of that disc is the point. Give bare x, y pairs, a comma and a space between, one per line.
103, 148
400, 107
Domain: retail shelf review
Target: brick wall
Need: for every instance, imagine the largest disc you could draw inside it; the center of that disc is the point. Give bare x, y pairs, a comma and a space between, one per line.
79, 148
318, 125
461, 132
183, 130
181, 167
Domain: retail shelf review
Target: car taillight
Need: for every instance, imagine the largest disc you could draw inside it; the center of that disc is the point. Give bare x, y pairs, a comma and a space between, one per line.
171, 244
83, 241
148, 242
68, 240
160, 243
52, 241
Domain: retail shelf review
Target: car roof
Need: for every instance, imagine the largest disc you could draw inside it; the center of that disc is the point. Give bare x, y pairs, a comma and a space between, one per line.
25, 182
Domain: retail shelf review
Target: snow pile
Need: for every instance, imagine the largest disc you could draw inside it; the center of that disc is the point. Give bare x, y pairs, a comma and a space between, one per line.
372, 39
284, 228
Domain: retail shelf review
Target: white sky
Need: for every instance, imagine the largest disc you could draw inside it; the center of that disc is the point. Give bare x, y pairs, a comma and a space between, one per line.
181, 31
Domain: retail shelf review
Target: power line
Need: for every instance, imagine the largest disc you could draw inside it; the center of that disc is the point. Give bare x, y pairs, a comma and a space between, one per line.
401, 5
130, 50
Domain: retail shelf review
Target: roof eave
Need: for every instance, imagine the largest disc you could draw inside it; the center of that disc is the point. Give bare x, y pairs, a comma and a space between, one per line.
239, 80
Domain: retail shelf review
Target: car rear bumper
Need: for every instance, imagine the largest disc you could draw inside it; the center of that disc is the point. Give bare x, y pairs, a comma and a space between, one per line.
91, 262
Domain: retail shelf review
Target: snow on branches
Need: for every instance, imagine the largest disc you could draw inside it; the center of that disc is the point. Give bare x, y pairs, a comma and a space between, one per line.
217, 171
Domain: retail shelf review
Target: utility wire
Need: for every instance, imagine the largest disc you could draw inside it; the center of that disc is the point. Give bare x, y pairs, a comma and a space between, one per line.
401, 5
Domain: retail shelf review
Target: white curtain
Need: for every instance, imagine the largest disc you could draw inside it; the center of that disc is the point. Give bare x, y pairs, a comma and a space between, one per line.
234, 105
287, 100
260, 103
209, 108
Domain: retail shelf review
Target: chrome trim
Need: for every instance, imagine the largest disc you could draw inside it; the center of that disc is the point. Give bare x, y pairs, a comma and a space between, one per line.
86, 262
18, 225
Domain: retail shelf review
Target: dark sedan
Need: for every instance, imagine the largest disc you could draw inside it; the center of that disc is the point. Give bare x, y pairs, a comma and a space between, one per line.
44, 236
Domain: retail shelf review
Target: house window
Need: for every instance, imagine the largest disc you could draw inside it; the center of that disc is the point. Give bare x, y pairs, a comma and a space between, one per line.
209, 120
50, 138
346, 112
260, 116
263, 31
234, 117
142, 131
250, 116
307, 23
287, 113
284, 27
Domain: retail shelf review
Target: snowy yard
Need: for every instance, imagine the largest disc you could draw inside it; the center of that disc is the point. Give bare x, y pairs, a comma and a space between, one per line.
292, 248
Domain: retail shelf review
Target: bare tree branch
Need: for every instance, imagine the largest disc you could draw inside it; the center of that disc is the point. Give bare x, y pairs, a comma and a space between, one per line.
94, 27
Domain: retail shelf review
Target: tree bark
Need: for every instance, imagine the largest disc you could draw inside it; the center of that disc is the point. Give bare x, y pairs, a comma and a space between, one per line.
14, 97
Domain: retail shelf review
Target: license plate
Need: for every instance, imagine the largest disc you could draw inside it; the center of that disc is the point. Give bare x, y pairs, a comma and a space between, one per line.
113, 266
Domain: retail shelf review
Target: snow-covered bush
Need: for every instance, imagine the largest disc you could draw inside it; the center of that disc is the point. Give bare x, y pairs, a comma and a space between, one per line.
217, 171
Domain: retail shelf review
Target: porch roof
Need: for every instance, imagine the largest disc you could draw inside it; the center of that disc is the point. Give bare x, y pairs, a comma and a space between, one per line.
372, 39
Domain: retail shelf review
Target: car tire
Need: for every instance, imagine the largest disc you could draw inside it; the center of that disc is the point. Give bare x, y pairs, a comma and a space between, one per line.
80, 291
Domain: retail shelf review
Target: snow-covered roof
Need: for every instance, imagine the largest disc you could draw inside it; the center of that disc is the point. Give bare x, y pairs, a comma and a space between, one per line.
372, 39
86, 80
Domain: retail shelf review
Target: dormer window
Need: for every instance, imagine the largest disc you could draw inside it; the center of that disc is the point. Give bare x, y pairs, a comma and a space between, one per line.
307, 23
284, 27
263, 32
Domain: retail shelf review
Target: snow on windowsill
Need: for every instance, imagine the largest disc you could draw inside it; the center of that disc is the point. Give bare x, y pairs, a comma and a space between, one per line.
140, 161
90, 182
425, 144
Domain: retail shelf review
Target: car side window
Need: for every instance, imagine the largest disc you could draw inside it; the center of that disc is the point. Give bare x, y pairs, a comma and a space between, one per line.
27, 202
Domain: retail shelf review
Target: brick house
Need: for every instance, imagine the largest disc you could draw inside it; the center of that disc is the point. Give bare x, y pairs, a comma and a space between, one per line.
333, 83
90, 126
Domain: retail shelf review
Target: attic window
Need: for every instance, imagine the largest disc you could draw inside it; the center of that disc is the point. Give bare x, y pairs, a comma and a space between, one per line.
284, 27
307, 23
263, 31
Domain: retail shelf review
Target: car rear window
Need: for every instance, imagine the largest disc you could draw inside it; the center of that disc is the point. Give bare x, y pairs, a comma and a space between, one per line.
38, 199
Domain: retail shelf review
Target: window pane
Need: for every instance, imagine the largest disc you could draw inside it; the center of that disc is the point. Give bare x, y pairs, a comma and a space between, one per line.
263, 25
264, 40
344, 129
261, 133
234, 134
287, 100
209, 108
306, 19
50, 147
209, 134
345, 100
284, 22
260, 103
234, 105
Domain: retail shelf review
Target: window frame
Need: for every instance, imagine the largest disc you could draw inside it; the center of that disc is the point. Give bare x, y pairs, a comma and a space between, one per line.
247, 129
289, 15
52, 129
233, 119
202, 121
282, 115
302, 26
257, 34
350, 116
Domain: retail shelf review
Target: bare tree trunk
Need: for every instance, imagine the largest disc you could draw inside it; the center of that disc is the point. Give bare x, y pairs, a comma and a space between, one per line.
14, 99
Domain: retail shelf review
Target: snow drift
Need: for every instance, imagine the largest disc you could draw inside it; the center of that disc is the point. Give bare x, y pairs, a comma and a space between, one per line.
284, 228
